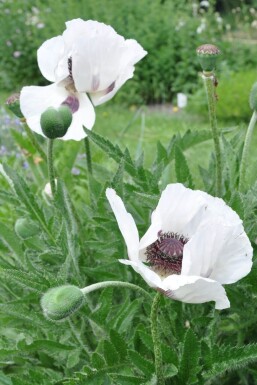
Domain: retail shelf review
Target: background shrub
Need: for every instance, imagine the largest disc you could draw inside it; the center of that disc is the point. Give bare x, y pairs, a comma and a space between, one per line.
170, 31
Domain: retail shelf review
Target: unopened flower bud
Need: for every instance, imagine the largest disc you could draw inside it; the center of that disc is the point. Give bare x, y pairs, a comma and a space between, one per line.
55, 122
13, 104
60, 302
25, 228
253, 97
207, 55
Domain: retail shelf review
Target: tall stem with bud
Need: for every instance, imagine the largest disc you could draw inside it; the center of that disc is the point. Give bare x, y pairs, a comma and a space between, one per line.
207, 55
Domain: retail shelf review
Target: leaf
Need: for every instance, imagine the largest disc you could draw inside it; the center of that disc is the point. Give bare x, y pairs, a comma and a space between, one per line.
237, 204
26, 280
97, 360
188, 367
28, 199
73, 359
110, 353
119, 343
11, 240
43, 345
230, 358
145, 366
182, 170
126, 380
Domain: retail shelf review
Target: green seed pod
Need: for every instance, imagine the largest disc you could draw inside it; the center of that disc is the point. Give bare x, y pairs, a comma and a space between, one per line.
25, 228
13, 104
253, 97
207, 55
55, 122
60, 302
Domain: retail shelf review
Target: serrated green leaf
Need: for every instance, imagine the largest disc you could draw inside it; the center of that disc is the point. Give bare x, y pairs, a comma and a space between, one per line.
110, 353
228, 358
28, 280
237, 204
97, 360
189, 367
4, 380
73, 359
182, 170
28, 199
44, 345
145, 366
11, 240
126, 380
119, 343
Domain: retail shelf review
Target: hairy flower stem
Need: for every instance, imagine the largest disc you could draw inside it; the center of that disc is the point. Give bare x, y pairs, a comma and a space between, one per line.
34, 142
50, 144
208, 78
104, 284
156, 340
247, 143
88, 156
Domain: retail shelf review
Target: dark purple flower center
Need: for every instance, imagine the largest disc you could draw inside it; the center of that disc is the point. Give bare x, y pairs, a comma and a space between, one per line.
70, 67
165, 255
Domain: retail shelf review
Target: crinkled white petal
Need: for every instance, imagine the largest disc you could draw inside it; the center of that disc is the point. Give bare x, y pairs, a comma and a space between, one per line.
182, 210
35, 100
195, 289
126, 223
49, 56
219, 252
177, 208
102, 60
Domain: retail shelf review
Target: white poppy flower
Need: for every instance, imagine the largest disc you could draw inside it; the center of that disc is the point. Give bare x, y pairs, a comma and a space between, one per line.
194, 245
88, 58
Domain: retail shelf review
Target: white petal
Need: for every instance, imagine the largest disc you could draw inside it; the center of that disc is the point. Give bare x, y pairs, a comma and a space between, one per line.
193, 289
178, 207
35, 100
49, 55
126, 223
150, 277
218, 252
85, 116
133, 53
102, 60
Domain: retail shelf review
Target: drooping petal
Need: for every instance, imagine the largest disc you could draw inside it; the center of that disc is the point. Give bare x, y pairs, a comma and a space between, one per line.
126, 223
219, 252
35, 100
150, 277
195, 289
49, 56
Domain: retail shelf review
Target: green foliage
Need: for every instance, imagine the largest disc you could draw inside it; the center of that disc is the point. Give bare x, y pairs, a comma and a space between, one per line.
171, 65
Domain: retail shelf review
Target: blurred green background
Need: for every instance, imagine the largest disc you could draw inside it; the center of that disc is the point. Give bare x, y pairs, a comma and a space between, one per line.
170, 31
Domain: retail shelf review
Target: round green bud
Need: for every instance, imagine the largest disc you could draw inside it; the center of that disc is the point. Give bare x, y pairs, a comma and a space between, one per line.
207, 55
55, 122
13, 104
253, 97
25, 228
60, 302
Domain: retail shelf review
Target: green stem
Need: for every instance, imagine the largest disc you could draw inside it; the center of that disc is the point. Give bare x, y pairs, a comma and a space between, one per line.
248, 138
34, 142
102, 285
88, 156
156, 340
208, 79
50, 144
